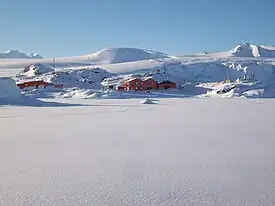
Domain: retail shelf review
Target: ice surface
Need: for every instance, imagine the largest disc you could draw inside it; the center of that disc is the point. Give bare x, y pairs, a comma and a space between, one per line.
121, 152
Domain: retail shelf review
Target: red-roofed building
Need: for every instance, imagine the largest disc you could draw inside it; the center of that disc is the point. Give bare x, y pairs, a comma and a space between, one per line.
37, 84
149, 84
134, 84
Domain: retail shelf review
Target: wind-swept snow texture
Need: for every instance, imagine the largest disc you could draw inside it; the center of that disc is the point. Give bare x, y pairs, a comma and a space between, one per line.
121, 152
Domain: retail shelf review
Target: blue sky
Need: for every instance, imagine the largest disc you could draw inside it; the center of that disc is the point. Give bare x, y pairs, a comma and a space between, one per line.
64, 27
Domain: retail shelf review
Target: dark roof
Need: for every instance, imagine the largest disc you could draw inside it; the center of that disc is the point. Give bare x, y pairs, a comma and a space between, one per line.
167, 82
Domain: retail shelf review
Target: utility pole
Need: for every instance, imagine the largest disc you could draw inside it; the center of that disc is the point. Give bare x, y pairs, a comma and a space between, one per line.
53, 63
165, 73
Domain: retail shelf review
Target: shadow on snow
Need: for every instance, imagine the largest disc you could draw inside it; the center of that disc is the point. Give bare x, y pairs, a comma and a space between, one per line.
33, 102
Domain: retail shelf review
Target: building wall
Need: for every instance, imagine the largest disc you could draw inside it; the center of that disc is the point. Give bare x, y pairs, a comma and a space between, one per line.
135, 84
139, 85
38, 84
167, 86
32, 84
150, 84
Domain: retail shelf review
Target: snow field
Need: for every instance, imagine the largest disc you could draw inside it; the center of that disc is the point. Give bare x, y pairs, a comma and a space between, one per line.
115, 152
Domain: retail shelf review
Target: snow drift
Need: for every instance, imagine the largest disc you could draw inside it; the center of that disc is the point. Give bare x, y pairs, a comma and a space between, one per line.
8, 88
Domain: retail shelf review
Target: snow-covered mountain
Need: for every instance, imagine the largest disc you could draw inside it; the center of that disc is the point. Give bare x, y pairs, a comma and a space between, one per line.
35, 56
132, 56
233, 66
34, 70
120, 55
14, 54
251, 50
202, 53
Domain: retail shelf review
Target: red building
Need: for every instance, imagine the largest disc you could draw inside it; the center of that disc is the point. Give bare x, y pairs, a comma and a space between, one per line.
133, 84
149, 84
121, 88
137, 84
167, 85
37, 84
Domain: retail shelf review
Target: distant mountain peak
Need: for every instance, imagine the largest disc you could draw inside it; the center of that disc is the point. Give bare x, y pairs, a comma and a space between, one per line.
15, 54
202, 53
34, 70
250, 50
11, 51
124, 54
35, 56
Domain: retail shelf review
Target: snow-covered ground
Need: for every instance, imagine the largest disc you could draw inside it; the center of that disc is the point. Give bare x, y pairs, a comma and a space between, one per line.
121, 152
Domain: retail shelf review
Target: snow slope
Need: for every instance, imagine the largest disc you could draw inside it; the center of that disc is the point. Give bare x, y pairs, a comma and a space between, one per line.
35, 56
250, 50
120, 55
140, 56
8, 88
80, 78
14, 54
180, 71
105, 56
34, 70
121, 152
